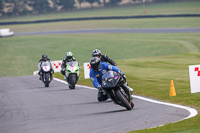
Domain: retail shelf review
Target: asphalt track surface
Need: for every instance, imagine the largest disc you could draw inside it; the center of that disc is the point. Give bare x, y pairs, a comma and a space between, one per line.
123, 30
26, 106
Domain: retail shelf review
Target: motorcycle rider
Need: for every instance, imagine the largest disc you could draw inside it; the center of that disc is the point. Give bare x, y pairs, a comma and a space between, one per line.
44, 59
97, 70
69, 57
104, 58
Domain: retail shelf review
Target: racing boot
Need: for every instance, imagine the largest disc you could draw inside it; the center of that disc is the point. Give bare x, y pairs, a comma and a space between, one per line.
130, 89
102, 96
51, 77
40, 78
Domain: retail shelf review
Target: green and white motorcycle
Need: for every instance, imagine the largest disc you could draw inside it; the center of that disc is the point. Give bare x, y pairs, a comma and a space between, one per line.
72, 72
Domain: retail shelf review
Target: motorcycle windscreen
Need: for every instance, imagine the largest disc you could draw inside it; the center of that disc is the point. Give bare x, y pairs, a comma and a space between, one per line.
110, 79
72, 63
45, 64
72, 67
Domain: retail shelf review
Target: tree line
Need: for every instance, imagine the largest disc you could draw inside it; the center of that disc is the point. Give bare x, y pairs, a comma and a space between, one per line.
27, 7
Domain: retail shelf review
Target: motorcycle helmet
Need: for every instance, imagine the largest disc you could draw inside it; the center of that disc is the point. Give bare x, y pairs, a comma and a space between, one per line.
95, 63
96, 53
69, 56
44, 57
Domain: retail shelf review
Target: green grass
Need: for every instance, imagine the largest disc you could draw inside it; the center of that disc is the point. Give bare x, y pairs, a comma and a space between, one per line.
189, 7
151, 77
24, 51
107, 24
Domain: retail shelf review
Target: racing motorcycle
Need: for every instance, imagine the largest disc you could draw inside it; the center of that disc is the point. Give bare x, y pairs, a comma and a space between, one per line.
46, 72
72, 73
113, 85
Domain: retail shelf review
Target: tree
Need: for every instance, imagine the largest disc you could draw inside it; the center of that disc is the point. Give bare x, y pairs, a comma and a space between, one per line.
40, 6
1, 5
19, 6
80, 2
55, 4
114, 2
66, 4
93, 1
104, 2
163, 0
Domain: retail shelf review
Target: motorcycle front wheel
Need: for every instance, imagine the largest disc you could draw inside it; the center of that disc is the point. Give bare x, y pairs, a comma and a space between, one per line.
72, 80
46, 83
123, 100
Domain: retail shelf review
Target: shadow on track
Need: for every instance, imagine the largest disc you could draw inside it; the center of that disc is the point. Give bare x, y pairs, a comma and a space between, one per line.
87, 103
59, 90
108, 112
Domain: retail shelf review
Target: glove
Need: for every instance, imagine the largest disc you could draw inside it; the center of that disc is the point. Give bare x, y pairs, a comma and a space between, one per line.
100, 88
63, 71
52, 71
121, 73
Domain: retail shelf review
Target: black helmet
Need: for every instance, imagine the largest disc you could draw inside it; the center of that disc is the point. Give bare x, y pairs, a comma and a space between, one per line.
44, 57
96, 53
69, 56
95, 63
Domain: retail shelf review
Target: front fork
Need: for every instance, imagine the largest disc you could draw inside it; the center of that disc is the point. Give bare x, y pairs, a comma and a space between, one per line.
127, 92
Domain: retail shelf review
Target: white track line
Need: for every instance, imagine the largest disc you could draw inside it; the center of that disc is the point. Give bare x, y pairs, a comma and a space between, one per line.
193, 112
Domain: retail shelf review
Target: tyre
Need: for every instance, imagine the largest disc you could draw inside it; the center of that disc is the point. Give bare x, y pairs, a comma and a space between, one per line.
123, 100
47, 80
72, 82
132, 104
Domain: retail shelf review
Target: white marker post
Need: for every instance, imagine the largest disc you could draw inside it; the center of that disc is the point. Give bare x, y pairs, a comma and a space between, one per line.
194, 73
57, 65
86, 70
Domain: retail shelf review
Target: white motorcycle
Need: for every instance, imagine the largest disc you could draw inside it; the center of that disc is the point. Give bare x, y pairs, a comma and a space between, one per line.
72, 72
46, 73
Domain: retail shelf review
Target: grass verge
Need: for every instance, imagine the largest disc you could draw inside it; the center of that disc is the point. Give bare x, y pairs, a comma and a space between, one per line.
151, 77
19, 55
191, 22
